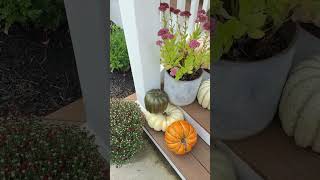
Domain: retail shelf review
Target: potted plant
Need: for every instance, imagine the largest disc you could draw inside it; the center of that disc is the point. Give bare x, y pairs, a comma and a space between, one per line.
183, 54
307, 13
253, 47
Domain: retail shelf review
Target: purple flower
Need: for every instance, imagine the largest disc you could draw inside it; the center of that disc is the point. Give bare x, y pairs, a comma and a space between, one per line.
194, 44
202, 18
163, 31
173, 71
185, 14
176, 11
163, 6
159, 43
167, 36
201, 12
206, 26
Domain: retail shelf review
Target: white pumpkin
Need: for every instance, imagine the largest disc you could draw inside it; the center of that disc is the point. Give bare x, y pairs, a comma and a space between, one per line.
223, 168
204, 94
160, 122
299, 108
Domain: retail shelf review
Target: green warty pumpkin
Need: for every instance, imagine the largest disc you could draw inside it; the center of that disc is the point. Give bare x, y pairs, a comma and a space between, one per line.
156, 101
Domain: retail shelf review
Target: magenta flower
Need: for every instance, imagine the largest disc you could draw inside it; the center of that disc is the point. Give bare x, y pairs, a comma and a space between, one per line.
159, 43
167, 36
163, 6
201, 18
185, 14
172, 9
163, 31
176, 11
201, 12
206, 26
173, 71
194, 44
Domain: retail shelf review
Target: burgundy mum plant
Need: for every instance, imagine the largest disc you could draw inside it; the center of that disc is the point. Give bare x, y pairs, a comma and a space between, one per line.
183, 52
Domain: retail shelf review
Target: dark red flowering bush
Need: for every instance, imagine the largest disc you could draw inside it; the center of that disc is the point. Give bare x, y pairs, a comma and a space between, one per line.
33, 150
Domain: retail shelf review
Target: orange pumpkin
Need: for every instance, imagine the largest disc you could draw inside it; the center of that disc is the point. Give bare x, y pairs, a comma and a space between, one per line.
180, 137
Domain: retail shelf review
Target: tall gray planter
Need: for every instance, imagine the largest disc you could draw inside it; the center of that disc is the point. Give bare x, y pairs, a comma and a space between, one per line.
306, 45
181, 93
246, 95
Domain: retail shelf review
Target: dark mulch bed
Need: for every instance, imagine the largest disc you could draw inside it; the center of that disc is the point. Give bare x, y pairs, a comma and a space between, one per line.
36, 79
121, 85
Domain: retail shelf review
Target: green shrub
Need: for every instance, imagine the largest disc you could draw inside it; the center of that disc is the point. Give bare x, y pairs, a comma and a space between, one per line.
119, 59
32, 150
126, 121
48, 14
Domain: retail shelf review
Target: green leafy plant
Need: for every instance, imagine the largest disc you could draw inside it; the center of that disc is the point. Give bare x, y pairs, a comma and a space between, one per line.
182, 53
308, 11
126, 121
34, 150
48, 14
239, 19
119, 58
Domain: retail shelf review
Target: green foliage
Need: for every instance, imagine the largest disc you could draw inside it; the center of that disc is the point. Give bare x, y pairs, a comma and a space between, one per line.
119, 58
248, 18
177, 52
126, 121
308, 11
47, 14
34, 150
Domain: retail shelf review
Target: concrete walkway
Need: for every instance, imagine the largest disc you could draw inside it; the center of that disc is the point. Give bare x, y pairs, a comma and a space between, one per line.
149, 164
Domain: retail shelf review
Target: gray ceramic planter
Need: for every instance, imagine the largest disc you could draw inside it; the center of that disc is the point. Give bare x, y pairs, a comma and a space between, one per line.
246, 95
181, 93
205, 75
306, 45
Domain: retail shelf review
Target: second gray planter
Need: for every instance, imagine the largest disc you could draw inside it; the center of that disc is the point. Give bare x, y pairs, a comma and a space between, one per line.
246, 95
306, 45
181, 93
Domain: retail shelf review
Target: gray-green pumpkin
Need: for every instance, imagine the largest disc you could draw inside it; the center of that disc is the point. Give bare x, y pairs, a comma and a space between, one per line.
222, 166
299, 109
156, 101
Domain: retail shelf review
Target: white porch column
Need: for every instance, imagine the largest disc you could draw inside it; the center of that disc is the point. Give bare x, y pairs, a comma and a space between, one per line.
88, 28
141, 22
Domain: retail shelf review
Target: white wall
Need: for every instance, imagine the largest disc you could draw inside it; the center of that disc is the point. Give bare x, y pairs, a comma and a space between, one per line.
115, 15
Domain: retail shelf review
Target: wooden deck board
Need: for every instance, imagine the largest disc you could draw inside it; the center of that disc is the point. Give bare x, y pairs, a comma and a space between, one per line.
199, 114
188, 164
275, 156
194, 165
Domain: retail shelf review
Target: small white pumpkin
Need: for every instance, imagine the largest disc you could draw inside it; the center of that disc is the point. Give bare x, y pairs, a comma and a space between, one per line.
299, 109
204, 94
160, 122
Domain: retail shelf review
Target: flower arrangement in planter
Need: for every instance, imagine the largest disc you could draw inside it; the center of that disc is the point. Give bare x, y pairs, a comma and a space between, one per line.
253, 48
30, 149
183, 53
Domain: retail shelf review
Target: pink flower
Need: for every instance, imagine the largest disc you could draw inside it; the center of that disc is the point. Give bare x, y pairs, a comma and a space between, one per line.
194, 44
159, 43
163, 31
167, 36
173, 71
176, 11
206, 26
163, 6
201, 12
185, 14
201, 18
